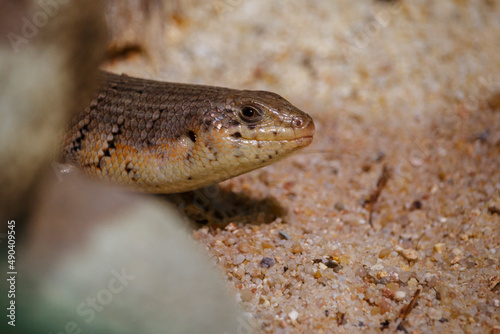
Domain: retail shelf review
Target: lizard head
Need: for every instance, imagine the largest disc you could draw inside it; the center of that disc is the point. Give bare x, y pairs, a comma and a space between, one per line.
246, 130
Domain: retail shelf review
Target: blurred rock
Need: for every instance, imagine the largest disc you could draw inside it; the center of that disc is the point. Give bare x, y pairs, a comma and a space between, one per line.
48, 58
109, 261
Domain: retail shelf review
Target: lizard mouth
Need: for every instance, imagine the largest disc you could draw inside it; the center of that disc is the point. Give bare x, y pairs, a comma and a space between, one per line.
303, 135
305, 141
298, 132
292, 142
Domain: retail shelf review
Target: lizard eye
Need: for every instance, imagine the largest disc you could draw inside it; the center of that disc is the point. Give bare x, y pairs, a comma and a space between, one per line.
250, 114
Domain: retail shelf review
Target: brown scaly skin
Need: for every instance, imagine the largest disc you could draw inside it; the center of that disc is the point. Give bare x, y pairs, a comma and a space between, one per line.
163, 137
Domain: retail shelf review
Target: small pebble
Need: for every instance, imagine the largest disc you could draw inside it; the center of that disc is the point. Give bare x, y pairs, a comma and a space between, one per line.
404, 276
334, 265
432, 281
263, 300
384, 253
230, 241
238, 259
231, 227
339, 206
267, 262
244, 247
409, 254
384, 305
362, 272
266, 245
318, 274
399, 295
412, 283
283, 235
388, 293
297, 248
382, 274
434, 314
255, 272
416, 205
293, 315
439, 248
456, 259
246, 295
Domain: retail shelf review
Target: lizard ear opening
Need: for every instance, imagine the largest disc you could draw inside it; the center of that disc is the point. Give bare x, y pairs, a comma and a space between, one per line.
192, 136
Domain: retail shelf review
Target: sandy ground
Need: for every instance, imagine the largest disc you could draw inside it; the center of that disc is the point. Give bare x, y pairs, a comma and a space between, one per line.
409, 87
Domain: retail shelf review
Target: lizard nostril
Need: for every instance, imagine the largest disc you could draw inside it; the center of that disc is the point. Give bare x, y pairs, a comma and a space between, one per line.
298, 122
